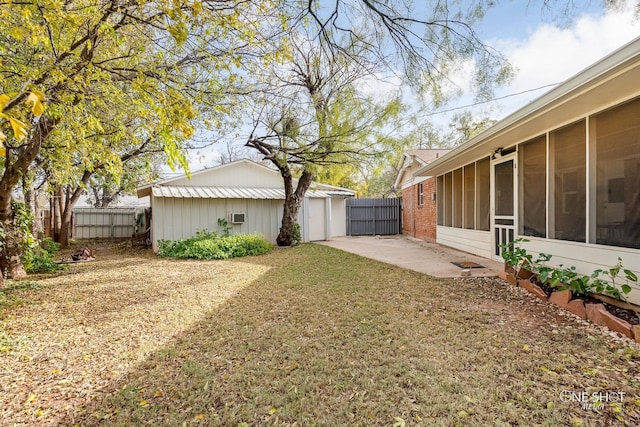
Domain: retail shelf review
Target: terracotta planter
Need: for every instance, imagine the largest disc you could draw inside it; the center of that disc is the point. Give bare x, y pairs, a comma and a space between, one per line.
600, 316
533, 288
523, 273
561, 298
636, 333
508, 268
577, 307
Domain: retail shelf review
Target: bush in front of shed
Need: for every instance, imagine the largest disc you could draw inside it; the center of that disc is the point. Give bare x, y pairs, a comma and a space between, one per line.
208, 245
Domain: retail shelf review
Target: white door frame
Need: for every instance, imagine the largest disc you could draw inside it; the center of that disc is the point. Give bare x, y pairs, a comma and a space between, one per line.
504, 228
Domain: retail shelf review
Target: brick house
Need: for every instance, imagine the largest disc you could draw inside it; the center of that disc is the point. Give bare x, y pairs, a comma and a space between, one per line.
418, 194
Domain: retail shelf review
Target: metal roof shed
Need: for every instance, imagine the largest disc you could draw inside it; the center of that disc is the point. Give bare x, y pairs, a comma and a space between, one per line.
248, 195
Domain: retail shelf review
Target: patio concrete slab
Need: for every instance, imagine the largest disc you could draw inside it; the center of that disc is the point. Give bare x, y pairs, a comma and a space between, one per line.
414, 254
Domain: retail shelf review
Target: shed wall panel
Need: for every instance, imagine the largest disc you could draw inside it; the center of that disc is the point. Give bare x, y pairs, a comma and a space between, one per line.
236, 175
179, 218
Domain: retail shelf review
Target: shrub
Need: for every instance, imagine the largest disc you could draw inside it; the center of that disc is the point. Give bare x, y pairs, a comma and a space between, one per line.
605, 282
40, 258
208, 245
43, 262
48, 245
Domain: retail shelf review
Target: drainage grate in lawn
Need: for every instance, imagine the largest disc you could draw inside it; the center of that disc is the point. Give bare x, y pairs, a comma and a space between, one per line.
467, 264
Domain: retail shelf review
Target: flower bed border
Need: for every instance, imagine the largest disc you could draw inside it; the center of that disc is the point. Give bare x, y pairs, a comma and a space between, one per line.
595, 313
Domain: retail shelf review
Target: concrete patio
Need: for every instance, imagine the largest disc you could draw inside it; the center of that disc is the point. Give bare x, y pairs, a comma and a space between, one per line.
414, 254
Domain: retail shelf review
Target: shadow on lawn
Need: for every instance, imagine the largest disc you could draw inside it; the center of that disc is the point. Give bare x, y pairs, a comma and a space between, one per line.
328, 338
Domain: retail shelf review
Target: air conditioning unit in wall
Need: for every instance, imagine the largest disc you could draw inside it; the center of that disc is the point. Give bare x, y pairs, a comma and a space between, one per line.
236, 217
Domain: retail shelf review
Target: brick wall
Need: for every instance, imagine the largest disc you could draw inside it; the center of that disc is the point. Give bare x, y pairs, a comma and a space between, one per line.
419, 220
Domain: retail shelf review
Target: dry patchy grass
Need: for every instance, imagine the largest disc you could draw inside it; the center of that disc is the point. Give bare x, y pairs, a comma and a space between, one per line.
302, 336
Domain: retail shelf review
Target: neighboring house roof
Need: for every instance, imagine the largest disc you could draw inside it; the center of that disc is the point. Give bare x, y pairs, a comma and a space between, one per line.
242, 179
413, 160
608, 82
126, 201
426, 156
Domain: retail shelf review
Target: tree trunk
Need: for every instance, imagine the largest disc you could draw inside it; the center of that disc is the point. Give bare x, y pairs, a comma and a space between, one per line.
16, 165
56, 214
12, 250
31, 199
106, 199
293, 200
71, 197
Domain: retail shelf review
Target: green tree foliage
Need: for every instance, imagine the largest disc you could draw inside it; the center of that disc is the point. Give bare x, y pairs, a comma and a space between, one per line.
379, 178
310, 116
106, 189
313, 113
119, 77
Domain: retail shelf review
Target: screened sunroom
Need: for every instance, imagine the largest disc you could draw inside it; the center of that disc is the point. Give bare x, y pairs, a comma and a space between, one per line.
564, 172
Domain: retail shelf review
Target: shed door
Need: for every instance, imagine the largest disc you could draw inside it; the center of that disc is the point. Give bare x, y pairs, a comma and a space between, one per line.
317, 220
504, 196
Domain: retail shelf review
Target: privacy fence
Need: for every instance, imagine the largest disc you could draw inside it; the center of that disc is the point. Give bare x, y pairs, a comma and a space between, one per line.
103, 223
370, 217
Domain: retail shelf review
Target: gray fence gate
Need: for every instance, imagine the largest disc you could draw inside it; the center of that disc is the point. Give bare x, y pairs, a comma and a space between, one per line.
107, 223
370, 217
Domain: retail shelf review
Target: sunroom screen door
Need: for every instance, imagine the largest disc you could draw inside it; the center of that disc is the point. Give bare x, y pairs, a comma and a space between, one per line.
503, 204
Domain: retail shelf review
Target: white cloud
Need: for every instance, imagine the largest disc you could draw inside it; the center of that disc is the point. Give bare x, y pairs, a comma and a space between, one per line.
545, 55
552, 54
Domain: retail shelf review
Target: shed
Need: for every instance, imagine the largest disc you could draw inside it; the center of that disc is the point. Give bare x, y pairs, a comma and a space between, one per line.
418, 193
248, 195
562, 172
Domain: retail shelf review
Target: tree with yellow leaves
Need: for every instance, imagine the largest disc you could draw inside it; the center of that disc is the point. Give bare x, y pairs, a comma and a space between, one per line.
20, 129
121, 78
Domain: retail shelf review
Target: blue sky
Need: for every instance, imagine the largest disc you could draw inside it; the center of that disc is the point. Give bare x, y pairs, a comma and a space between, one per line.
543, 51
543, 48
518, 19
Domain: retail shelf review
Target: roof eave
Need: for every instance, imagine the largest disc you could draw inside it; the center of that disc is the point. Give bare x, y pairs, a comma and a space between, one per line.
589, 76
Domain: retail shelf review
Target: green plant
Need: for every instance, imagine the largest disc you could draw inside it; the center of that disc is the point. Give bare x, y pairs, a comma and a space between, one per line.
206, 245
297, 235
514, 255
42, 262
540, 268
224, 225
19, 232
604, 281
599, 282
51, 247
568, 279
39, 259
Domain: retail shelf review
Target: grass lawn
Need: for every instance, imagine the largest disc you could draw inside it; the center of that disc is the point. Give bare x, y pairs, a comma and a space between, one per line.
302, 336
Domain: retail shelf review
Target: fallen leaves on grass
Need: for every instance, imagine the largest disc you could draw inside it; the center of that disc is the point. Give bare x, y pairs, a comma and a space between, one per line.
306, 336
84, 330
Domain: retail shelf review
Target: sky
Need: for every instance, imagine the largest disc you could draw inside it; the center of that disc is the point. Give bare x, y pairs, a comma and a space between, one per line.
545, 52
543, 45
